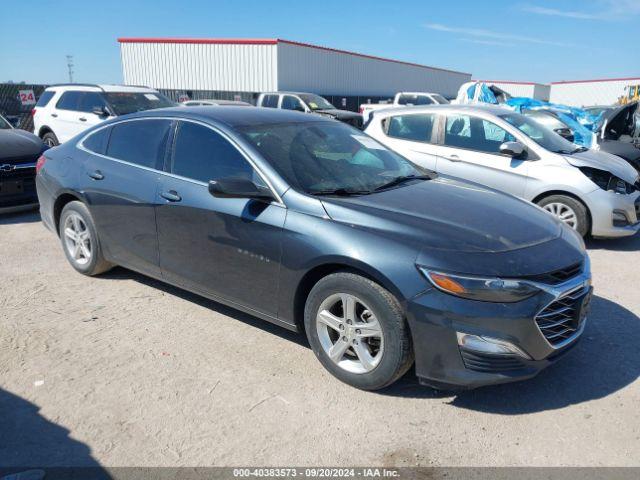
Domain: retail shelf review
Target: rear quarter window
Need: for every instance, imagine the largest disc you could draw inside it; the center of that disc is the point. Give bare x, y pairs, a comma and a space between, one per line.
45, 98
97, 141
270, 101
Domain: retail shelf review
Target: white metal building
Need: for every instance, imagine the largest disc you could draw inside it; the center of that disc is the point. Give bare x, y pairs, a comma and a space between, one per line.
258, 65
538, 91
584, 93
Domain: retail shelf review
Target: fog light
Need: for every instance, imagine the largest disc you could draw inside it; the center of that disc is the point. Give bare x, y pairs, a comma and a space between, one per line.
488, 345
620, 219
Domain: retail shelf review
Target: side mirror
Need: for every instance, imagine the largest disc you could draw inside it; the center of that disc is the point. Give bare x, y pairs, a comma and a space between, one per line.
100, 111
238, 188
512, 149
565, 133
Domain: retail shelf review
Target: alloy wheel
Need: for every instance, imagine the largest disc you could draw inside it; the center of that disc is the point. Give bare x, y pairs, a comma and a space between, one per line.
77, 239
350, 333
563, 212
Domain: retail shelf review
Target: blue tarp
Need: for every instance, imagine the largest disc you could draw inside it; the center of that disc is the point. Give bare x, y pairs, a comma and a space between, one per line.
582, 123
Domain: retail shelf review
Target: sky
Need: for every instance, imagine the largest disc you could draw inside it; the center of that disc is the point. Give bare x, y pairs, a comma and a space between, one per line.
536, 40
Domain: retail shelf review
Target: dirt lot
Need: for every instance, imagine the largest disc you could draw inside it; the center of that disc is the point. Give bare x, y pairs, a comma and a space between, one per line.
123, 371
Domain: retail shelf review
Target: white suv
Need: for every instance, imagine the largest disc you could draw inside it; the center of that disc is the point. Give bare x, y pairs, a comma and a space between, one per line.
63, 111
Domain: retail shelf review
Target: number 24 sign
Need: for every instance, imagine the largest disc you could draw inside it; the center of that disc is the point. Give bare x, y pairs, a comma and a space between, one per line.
27, 97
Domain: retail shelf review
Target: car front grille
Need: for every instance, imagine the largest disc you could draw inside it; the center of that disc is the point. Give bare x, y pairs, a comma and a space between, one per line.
19, 177
561, 319
558, 276
481, 362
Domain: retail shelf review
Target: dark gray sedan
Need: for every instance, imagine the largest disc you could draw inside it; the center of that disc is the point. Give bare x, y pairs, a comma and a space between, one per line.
311, 224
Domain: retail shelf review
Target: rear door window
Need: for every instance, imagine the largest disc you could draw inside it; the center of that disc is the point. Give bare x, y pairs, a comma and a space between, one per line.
141, 142
69, 101
292, 103
201, 154
417, 127
270, 101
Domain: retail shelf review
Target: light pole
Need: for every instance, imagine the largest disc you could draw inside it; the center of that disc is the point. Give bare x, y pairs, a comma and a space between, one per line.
70, 67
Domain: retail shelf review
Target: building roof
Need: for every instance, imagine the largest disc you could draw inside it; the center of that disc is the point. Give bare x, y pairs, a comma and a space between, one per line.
598, 80
272, 41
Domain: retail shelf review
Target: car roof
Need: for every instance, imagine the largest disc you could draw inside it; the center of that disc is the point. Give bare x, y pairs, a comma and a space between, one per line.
87, 87
471, 108
288, 93
232, 115
217, 101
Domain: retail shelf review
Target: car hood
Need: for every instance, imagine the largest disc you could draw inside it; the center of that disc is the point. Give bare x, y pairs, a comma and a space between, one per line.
17, 144
339, 114
447, 215
618, 120
604, 161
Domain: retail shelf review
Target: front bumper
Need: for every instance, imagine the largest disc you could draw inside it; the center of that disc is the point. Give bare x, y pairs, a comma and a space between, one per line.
436, 317
602, 205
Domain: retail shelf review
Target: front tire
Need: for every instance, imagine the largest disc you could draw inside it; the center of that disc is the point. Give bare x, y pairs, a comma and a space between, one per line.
80, 240
570, 211
357, 330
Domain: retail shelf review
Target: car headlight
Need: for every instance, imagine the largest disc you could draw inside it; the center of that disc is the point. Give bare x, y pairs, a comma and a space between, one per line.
483, 289
607, 181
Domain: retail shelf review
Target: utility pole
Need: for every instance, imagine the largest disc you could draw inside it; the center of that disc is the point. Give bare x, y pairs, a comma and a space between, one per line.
70, 67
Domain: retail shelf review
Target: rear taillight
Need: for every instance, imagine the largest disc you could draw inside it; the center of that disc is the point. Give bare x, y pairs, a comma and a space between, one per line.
361, 109
40, 163
33, 112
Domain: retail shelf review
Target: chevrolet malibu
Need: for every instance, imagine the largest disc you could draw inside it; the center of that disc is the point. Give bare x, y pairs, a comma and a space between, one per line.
308, 223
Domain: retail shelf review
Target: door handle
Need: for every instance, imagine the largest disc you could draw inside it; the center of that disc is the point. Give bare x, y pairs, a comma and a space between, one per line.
453, 158
171, 195
82, 119
54, 115
97, 175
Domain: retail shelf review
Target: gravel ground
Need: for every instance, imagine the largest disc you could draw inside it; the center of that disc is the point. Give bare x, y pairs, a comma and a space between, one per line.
121, 370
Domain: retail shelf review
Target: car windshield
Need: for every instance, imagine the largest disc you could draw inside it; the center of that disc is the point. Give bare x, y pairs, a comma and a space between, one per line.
329, 158
315, 102
4, 125
123, 103
540, 134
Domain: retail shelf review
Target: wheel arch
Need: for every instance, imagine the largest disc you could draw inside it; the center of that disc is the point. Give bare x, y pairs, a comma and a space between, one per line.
314, 274
44, 130
63, 199
550, 193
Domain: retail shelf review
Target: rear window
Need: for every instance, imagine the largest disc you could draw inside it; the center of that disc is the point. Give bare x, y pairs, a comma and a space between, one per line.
270, 101
414, 100
411, 127
141, 142
123, 103
45, 98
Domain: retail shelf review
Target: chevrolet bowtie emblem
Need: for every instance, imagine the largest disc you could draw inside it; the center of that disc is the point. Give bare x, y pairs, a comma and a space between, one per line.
7, 168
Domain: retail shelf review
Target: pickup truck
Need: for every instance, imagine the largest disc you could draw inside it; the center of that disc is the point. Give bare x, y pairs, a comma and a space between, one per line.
403, 98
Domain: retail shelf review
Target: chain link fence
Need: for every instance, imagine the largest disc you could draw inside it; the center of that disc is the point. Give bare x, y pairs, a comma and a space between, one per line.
16, 102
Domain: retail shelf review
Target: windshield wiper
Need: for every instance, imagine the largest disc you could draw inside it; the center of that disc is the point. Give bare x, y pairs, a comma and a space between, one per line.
579, 149
402, 179
341, 192
571, 152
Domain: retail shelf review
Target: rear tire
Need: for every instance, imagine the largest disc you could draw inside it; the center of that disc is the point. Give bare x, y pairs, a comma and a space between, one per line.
570, 211
80, 240
50, 139
358, 331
